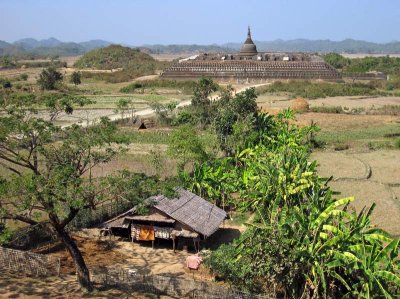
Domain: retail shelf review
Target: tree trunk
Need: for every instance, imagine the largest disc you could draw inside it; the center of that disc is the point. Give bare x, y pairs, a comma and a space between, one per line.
82, 271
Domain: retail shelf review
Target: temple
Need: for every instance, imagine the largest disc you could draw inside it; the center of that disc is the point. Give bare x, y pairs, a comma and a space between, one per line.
250, 65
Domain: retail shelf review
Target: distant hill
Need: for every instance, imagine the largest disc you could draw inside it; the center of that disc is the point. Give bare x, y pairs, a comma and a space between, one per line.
4, 44
31, 43
48, 47
324, 46
55, 47
176, 49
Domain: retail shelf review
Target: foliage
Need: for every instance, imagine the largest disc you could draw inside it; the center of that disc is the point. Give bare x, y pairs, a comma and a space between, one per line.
23, 77
6, 62
305, 243
185, 146
185, 86
397, 143
163, 111
55, 63
202, 91
336, 60
112, 57
126, 106
233, 118
75, 78
183, 117
314, 90
327, 109
5, 83
48, 78
48, 165
385, 64
61, 103
131, 63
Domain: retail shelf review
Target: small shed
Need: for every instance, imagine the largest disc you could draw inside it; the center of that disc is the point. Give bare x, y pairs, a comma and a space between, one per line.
187, 216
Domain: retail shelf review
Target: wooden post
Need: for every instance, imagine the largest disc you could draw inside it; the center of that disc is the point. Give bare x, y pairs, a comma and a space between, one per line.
194, 243
173, 244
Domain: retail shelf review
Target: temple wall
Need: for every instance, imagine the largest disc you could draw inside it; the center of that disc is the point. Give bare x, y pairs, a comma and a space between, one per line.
247, 70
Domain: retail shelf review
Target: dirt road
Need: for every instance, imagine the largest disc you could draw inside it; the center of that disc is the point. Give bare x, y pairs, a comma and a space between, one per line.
145, 112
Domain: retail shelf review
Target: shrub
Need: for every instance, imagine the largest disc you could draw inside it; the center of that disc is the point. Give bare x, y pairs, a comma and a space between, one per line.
183, 117
5, 83
341, 147
23, 77
75, 78
48, 78
397, 143
326, 109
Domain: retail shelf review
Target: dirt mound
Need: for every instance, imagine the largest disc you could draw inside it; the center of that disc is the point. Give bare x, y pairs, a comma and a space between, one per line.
299, 105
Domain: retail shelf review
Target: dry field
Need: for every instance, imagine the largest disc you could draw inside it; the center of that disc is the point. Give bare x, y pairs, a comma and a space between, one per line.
266, 101
370, 174
369, 177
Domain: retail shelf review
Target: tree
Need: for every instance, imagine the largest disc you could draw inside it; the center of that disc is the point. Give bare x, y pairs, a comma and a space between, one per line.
44, 168
49, 78
232, 110
202, 91
303, 243
126, 106
163, 110
186, 146
76, 78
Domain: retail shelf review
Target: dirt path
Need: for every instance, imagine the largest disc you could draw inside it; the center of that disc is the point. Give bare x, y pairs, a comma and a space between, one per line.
146, 112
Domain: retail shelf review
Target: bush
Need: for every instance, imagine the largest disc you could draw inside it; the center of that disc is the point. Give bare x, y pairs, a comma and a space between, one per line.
397, 143
23, 77
75, 78
5, 83
325, 109
183, 117
48, 78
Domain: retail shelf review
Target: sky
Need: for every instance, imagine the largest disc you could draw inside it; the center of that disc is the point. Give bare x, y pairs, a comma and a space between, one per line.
140, 22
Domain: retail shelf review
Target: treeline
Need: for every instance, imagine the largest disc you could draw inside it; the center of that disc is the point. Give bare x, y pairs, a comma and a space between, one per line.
314, 90
385, 64
11, 63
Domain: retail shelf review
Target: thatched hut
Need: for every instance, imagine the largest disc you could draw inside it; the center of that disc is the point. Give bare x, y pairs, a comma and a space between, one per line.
185, 217
146, 124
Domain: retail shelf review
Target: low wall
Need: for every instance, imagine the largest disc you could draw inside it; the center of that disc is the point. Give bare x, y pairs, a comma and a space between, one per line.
28, 262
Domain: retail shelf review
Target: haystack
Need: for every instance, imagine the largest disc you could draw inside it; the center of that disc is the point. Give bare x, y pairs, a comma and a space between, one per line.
299, 105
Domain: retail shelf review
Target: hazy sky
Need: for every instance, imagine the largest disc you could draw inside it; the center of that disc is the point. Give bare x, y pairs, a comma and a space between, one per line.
138, 22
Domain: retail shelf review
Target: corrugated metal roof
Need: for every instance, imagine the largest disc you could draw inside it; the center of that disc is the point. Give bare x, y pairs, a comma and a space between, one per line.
192, 210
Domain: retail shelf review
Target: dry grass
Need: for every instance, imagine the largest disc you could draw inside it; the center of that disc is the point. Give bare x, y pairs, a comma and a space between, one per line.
350, 171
